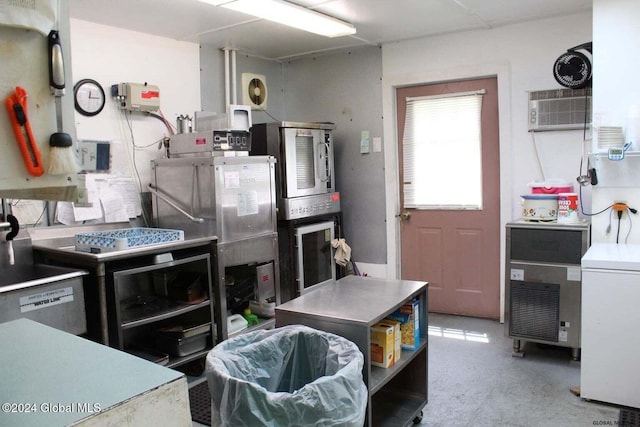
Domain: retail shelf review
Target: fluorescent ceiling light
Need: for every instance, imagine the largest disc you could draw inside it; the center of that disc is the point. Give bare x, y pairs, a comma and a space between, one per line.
289, 14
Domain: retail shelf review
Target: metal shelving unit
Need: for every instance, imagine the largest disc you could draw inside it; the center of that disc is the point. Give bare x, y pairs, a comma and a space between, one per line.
349, 307
139, 308
248, 252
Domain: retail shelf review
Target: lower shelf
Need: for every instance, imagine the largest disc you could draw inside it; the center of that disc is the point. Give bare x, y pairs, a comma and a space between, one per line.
395, 409
176, 361
380, 376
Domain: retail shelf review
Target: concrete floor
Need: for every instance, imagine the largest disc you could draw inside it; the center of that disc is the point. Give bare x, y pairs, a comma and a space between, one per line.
474, 380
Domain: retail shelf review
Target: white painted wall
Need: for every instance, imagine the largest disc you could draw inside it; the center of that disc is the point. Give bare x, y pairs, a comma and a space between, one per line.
616, 40
112, 55
521, 56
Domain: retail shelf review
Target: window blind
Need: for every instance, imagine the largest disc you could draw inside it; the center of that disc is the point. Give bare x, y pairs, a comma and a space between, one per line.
442, 151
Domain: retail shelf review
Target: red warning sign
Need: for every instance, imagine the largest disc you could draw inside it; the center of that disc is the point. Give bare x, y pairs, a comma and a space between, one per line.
148, 94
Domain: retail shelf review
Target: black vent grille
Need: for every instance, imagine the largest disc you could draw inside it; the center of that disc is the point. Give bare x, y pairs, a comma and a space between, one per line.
559, 93
629, 418
535, 311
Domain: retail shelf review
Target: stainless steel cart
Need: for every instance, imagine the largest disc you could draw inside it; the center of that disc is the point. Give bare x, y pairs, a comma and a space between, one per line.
349, 307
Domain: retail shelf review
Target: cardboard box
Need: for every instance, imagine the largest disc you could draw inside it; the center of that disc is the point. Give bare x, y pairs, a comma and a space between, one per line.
409, 317
397, 339
382, 345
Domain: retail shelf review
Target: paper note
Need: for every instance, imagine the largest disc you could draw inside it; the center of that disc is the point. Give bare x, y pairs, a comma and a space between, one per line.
128, 190
364, 142
247, 203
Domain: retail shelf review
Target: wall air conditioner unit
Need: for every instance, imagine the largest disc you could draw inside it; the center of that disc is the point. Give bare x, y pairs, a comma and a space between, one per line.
559, 109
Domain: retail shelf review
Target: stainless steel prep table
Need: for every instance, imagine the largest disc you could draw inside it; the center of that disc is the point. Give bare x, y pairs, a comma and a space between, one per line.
57, 246
349, 307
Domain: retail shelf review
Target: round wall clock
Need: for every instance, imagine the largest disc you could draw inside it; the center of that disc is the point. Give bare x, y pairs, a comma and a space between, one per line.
89, 97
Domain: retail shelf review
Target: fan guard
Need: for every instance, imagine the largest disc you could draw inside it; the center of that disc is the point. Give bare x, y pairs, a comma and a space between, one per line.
254, 91
573, 68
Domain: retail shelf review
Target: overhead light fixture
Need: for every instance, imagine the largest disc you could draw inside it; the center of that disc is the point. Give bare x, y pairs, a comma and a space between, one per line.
289, 14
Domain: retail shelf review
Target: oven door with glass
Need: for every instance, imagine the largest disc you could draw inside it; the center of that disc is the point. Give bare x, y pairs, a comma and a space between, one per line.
314, 255
308, 162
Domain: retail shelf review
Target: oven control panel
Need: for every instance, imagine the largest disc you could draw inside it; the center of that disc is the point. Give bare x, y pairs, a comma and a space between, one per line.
308, 206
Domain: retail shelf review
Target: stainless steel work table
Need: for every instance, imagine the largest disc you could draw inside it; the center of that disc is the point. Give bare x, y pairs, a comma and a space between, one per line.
57, 245
349, 307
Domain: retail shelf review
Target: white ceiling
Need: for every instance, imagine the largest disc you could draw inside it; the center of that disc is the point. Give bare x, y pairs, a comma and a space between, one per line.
376, 21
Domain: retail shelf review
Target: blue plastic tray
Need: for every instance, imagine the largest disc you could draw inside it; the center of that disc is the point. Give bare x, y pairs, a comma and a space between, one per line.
125, 238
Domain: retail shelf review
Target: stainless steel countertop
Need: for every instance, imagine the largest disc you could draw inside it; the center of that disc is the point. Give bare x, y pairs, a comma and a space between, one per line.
61, 242
357, 299
22, 276
67, 248
521, 223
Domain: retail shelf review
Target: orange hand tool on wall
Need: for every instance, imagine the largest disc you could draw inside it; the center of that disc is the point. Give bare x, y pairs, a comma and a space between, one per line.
17, 108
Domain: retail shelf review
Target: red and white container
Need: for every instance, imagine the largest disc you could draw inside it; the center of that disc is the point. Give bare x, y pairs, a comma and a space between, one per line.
568, 208
551, 186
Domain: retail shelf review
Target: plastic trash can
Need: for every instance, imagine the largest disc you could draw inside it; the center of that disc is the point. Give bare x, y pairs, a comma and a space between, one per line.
289, 376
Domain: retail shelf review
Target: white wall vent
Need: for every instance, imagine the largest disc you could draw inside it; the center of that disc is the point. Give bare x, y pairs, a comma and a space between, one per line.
559, 109
254, 91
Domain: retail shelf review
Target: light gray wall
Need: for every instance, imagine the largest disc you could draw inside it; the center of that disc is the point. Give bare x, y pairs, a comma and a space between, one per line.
344, 88
212, 82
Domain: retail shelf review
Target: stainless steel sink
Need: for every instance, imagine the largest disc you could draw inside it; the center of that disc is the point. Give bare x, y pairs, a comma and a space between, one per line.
27, 275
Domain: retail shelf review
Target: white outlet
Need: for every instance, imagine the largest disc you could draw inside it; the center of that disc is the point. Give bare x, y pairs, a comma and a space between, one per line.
517, 274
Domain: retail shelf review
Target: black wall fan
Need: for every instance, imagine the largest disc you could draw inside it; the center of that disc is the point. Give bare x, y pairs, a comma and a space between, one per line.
573, 69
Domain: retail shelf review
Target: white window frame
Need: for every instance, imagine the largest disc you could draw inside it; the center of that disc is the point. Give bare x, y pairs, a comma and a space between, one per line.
424, 153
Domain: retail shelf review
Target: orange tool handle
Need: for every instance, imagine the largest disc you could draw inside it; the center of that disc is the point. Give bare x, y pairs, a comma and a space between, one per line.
17, 108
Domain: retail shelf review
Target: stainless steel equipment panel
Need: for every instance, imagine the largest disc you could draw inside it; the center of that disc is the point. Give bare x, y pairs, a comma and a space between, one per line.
245, 197
543, 289
230, 197
208, 142
306, 206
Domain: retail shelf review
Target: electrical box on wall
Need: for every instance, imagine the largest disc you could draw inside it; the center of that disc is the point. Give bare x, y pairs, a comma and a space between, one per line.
136, 96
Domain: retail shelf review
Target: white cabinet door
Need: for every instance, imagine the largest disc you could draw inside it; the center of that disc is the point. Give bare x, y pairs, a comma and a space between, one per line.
610, 366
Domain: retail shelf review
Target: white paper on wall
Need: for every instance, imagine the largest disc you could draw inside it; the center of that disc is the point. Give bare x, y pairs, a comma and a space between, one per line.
39, 15
111, 199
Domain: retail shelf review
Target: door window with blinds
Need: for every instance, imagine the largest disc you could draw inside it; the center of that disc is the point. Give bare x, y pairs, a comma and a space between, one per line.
442, 151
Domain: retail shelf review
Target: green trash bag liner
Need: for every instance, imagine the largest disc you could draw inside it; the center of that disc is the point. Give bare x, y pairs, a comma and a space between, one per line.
289, 376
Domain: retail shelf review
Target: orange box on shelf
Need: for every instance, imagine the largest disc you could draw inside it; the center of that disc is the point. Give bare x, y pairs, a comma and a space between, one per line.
382, 345
397, 338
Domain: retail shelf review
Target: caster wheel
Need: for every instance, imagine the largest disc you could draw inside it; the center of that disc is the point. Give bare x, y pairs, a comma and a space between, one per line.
418, 419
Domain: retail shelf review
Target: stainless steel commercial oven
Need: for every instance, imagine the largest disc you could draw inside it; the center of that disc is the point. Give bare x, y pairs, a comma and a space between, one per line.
305, 177
543, 283
309, 215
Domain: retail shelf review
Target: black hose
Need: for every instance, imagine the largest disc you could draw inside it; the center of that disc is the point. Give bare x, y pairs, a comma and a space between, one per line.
15, 227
